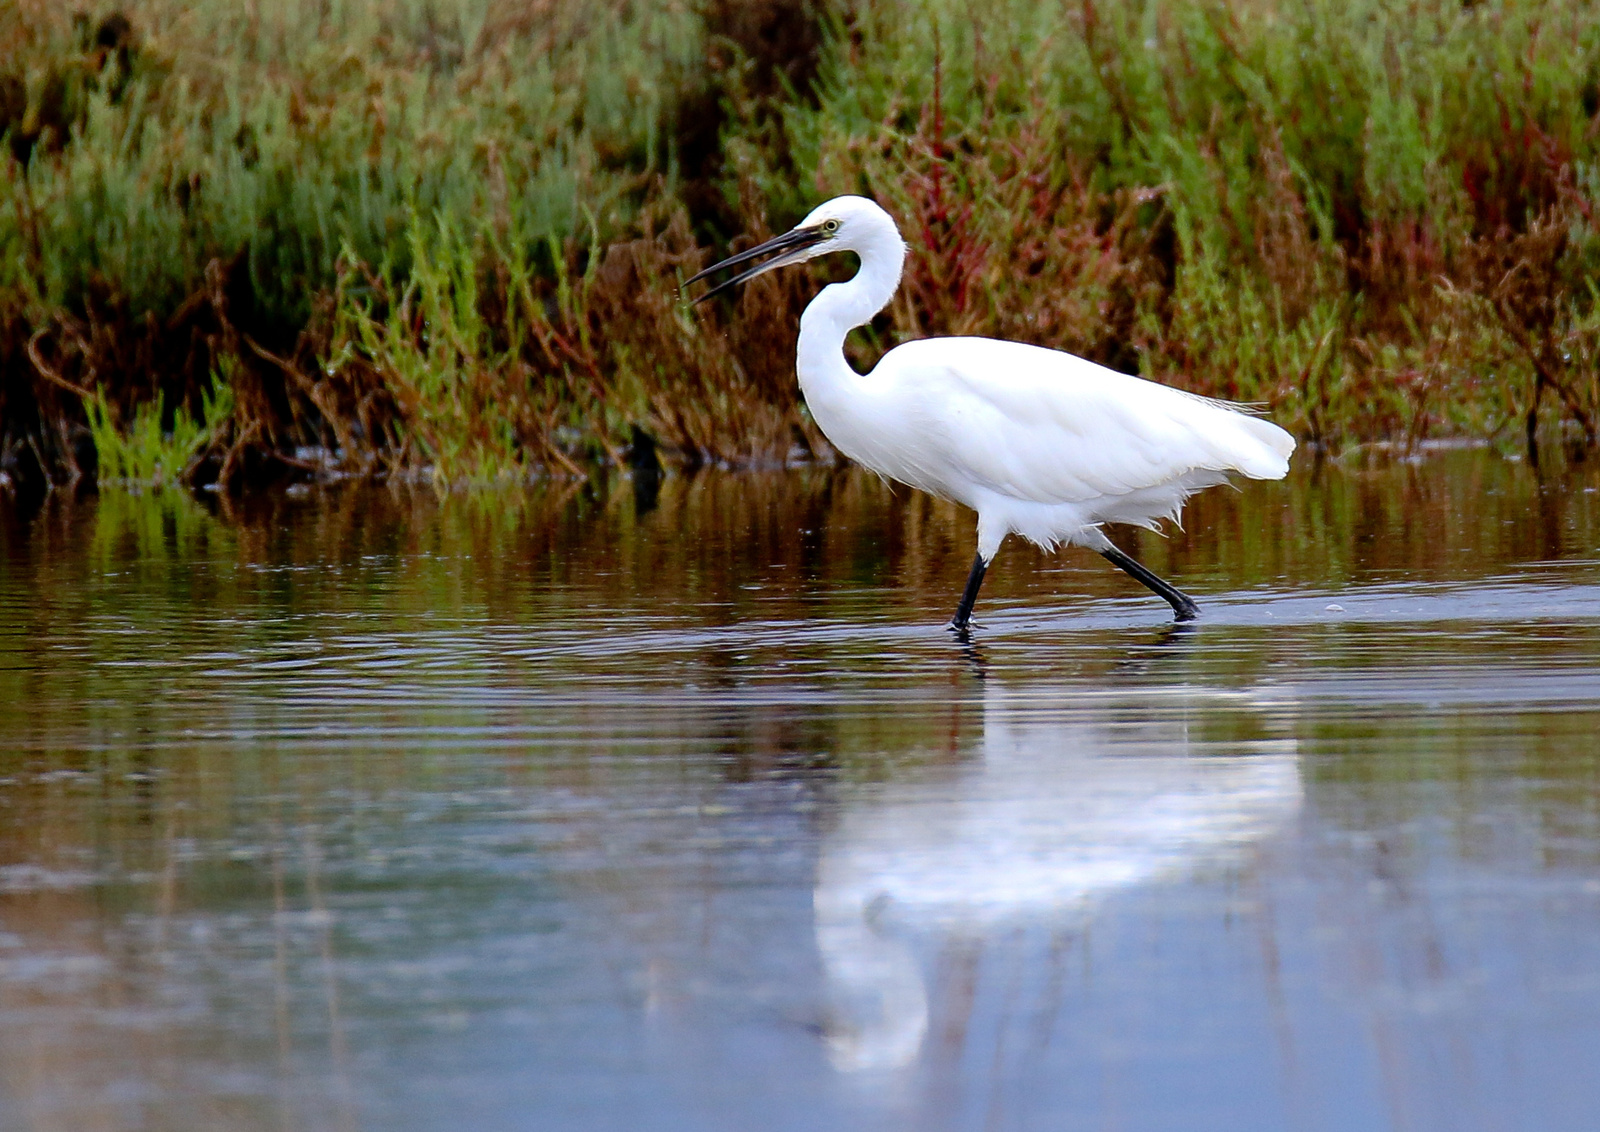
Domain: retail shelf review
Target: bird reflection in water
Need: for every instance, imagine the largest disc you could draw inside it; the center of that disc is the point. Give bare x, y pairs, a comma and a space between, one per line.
1068, 806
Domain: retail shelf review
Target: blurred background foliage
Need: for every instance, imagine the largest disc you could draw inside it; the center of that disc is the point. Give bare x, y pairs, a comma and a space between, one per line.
319, 237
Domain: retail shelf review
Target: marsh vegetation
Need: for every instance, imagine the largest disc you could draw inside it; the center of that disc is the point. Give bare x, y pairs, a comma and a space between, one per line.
445, 238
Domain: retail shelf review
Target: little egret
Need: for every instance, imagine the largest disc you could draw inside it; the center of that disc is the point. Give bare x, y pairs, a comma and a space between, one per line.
1038, 442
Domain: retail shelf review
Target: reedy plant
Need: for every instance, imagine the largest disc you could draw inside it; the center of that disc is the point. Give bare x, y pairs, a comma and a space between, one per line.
1317, 186
446, 237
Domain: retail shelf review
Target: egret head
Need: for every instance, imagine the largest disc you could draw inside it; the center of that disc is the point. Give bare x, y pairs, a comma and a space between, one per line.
843, 224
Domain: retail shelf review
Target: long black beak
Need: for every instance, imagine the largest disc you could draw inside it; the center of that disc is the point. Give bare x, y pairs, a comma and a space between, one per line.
794, 240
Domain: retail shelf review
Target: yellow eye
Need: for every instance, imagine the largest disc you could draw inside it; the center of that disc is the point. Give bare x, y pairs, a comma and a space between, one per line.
830, 226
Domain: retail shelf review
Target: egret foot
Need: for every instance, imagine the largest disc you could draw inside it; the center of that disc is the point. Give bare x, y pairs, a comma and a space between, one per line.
963, 618
1183, 606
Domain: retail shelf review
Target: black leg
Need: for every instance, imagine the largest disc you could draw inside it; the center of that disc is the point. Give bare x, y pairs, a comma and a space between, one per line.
969, 596
1183, 606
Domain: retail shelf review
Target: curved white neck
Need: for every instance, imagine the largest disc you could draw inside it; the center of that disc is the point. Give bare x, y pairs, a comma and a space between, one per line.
841, 307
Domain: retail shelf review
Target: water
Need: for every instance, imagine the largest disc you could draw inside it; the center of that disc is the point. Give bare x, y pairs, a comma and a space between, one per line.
606, 807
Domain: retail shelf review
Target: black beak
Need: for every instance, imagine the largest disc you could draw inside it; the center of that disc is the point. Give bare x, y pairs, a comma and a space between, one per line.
794, 240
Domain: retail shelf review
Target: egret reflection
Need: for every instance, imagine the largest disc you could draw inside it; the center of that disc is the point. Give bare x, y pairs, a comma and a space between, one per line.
1061, 808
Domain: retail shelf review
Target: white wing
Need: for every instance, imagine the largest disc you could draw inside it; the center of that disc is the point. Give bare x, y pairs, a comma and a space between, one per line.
1045, 426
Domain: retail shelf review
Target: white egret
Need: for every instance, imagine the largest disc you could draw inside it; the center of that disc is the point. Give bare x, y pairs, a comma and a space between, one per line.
1038, 442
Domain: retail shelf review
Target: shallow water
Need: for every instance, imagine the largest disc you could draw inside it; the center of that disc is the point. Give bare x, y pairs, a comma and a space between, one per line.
611, 807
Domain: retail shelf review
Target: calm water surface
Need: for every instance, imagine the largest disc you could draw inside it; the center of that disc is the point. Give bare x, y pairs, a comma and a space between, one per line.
610, 807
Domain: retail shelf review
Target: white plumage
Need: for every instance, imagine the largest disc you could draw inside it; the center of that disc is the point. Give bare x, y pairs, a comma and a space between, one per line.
1038, 442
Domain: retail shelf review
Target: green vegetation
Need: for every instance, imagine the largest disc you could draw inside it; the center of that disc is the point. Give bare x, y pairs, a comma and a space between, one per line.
446, 236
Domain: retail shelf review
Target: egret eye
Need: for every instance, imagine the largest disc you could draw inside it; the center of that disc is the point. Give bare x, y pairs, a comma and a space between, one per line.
830, 226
